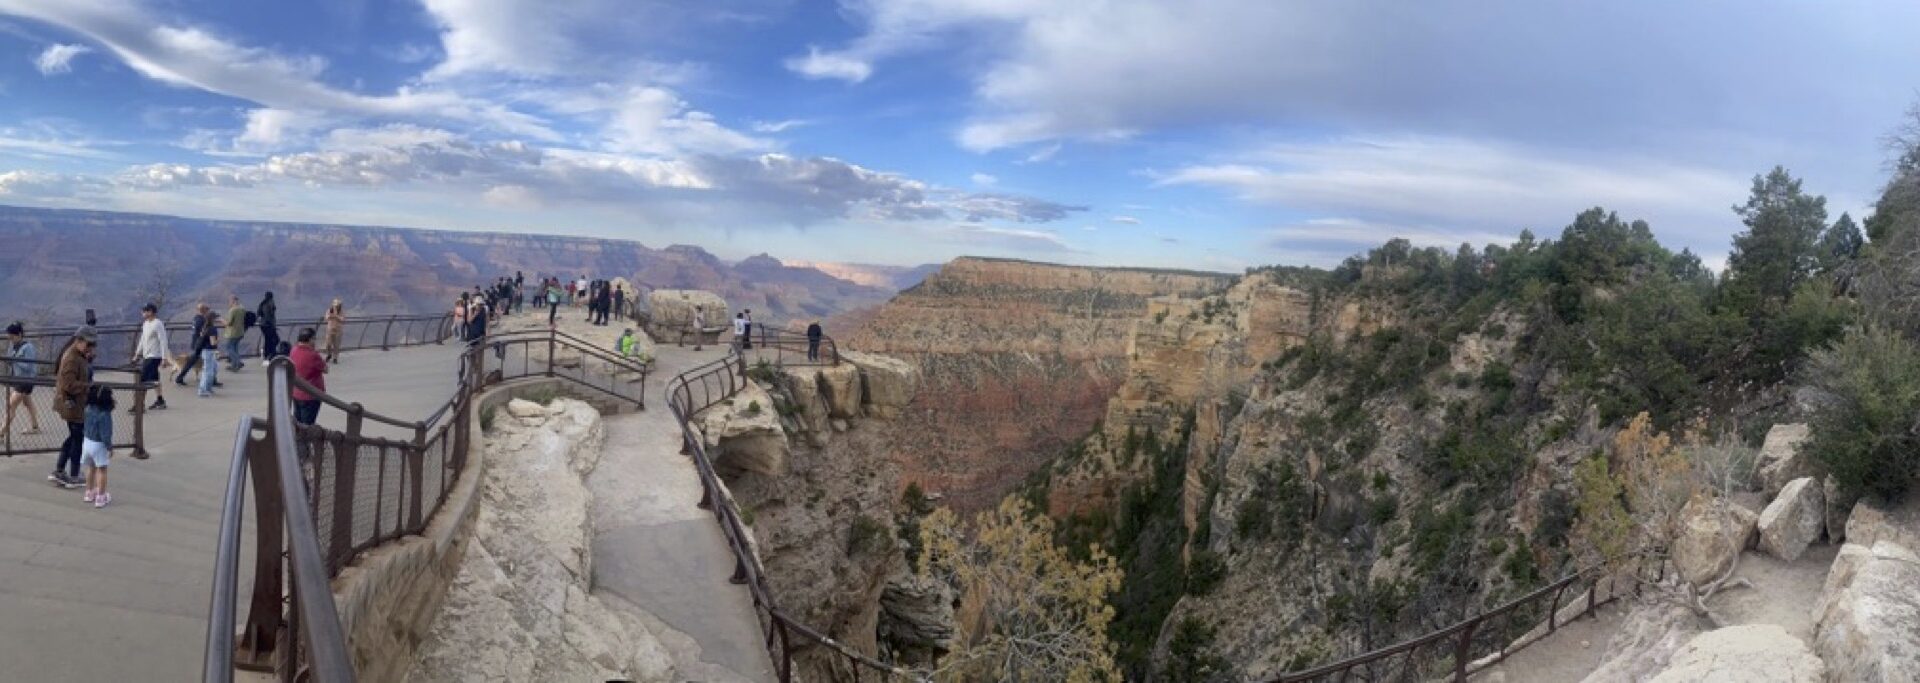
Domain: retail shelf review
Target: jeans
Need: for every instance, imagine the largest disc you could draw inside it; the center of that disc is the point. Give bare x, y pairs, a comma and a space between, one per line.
209, 372
232, 346
813, 349
70, 450
305, 412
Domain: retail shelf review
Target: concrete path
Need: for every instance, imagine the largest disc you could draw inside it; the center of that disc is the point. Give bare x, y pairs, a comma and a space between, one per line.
654, 550
120, 594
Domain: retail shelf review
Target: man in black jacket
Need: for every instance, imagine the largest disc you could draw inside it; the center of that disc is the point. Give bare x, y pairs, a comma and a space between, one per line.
813, 341
266, 315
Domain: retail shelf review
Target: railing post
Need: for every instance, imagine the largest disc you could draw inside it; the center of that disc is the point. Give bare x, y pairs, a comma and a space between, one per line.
140, 422
416, 466
1464, 652
550, 348
265, 613
386, 336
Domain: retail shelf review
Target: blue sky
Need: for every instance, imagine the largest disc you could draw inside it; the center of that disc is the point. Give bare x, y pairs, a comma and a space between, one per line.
1212, 134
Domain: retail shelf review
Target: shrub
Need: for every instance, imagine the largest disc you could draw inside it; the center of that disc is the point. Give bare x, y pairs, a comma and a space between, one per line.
867, 535
1868, 385
1205, 572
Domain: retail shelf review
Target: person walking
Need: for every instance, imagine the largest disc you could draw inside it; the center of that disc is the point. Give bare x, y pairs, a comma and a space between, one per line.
202, 317
72, 380
740, 342
267, 314
312, 369
749, 315
697, 326
553, 302
236, 330
336, 325
151, 352
814, 333
460, 317
206, 347
96, 445
21, 368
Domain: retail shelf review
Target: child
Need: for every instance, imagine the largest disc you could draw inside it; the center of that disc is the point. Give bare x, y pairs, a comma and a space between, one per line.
97, 443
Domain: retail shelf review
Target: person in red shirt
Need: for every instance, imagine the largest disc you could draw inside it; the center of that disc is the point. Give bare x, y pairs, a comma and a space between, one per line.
311, 368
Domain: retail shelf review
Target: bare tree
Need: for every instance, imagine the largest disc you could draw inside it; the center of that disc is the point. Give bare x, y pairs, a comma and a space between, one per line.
159, 287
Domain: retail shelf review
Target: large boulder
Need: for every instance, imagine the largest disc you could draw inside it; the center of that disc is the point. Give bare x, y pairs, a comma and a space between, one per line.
1839, 508
1793, 520
744, 434
1713, 532
1781, 460
809, 410
673, 310
1869, 627
1651, 633
1750, 653
916, 613
890, 382
840, 384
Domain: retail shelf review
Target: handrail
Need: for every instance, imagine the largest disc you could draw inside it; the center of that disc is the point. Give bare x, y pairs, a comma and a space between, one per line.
747, 570
1461, 633
784, 341
307, 625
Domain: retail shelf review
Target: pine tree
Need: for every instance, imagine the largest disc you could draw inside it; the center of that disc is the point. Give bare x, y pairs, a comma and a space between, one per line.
1840, 244
1778, 250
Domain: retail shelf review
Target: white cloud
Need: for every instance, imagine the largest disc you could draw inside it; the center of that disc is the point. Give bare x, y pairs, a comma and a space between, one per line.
1009, 239
655, 121
983, 179
1126, 220
1467, 188
507, 35
818, 65
779, 126
58, 58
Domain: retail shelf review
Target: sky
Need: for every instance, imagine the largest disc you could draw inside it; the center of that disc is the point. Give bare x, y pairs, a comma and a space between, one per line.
1209, 134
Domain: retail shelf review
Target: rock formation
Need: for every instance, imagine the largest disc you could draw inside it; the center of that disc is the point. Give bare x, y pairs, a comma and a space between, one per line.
1780, 459
1758, 653
1869, 611
1793, 520
521, 607
1713, 533
673, 309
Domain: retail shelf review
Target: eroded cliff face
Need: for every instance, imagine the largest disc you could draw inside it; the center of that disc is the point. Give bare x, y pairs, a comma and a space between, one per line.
1017, 361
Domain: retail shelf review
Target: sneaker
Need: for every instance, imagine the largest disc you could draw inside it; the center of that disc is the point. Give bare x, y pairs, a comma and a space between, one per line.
180, 382
205, 394
88, 497
101, 500
57, 478
158, 405
70, 482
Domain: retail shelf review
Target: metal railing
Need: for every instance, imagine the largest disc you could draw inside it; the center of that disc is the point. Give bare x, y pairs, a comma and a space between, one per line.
688, 394
355, 491
789, 348
1483, 640
129, 418
356, 333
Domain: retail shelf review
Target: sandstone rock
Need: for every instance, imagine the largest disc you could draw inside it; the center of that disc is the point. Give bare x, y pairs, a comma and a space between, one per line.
917, 612
809, 407
744, 434
527, 410
1780, 460
1868, 524
840, 385
889, 382
1647, 639
1713, 532
1751, 653
1793, 520
1869, 629
841, 425
673, 311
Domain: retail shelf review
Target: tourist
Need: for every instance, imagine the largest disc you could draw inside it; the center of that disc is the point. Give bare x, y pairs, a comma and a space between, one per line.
70, 402
605, 301
552, 295
336, 325
312, 369
570, 295
814, 333
620, 302
151, 351
22, 369
627, 345
96, 444
267, 314
460, 317
740, 341
749, 316
202, 317
236, 329
205, 347
580, 290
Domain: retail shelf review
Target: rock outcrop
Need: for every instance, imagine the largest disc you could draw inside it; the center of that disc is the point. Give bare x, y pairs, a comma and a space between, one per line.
1713, 532
673, 309
1869, 610
744, 434
1780, 459
889, 383
916, 616
1753, 653
1650, 636
521, 608
1793, 520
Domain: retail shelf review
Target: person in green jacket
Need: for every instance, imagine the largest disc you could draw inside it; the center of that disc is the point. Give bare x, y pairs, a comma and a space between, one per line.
236, 328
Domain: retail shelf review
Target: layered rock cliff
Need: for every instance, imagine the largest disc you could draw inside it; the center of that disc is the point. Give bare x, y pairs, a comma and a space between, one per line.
1017, 361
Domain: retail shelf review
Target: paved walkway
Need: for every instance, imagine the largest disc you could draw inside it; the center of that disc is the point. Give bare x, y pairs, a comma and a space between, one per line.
121, 593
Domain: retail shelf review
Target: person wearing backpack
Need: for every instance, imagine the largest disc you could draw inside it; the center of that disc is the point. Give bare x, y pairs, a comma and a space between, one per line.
237, 319
267, 315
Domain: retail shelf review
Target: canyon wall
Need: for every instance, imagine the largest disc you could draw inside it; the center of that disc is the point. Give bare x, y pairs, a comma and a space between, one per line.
1017, 360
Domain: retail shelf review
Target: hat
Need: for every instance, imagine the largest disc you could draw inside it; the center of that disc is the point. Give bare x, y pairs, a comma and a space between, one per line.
86, 334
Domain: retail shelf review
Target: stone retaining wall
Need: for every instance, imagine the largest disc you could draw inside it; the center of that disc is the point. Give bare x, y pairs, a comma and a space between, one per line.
389, 596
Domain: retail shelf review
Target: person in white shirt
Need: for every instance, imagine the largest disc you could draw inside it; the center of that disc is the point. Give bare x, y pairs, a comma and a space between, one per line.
151, 352
579, 290
739, 332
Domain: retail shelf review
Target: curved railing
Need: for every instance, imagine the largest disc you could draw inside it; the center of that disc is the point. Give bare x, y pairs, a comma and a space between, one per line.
355, 490
116, 341
688, 394
1483, 640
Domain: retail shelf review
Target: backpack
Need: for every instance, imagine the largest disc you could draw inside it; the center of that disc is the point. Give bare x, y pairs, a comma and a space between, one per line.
252, 319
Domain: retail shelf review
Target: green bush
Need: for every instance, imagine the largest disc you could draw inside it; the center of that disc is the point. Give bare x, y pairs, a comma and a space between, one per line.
867, 535
1862, 429
1189, 656
1205, 571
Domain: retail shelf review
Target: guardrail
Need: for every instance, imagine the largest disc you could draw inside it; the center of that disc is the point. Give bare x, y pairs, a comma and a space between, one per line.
795, 349
1483, 640
688, 394
357, 333
129, 421
322, 519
